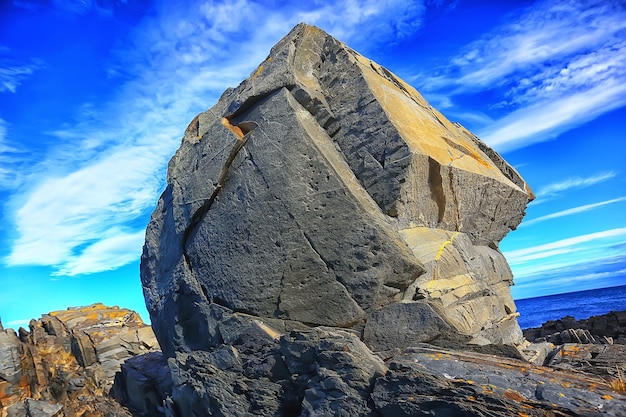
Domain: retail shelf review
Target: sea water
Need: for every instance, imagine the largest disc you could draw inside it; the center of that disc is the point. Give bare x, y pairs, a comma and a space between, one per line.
581, 305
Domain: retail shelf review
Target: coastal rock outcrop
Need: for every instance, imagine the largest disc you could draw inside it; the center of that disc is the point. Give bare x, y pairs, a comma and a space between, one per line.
596, 345
325, 191
66, 364
605, 329
327, 244
316, 371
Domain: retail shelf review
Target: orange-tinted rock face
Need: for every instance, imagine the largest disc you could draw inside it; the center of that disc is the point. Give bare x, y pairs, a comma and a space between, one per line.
70, 358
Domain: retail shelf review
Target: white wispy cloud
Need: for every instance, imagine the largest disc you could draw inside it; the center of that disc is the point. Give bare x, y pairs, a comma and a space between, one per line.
83, 209
594, 277
554, 65
4, 172
7, 159
18, 323
563, 246
560, 33
108, 253
571, 211
13, 73
550, 117
604, 269
556, 188
589, 260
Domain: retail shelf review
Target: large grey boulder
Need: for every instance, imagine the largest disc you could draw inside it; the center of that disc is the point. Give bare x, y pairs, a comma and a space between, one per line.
325, 191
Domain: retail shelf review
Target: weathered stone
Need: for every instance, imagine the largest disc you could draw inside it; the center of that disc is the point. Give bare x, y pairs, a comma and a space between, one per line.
10, 357
34, 408
423, 381
335, 370
604, 360
143, 383
65, 365
413, 323
538, 352
321, 190
466, 284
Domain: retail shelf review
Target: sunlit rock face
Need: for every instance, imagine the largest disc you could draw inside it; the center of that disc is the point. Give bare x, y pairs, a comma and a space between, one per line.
325, 191
66, 364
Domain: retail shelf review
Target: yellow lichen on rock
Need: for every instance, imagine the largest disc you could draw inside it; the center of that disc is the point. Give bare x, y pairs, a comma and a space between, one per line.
424, 129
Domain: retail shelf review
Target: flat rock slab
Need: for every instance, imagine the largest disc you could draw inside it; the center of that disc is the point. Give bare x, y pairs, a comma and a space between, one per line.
477, 381
606, 360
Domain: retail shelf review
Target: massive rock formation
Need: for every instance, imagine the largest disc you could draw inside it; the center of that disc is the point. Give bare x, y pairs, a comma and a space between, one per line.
257, 372
66, 364
320, 223
325, 191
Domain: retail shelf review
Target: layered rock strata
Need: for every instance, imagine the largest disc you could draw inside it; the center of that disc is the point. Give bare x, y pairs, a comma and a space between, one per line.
66, 364
325, 191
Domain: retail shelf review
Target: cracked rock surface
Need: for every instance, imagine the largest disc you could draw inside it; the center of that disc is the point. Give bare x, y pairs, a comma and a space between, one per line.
325, 191
66, 364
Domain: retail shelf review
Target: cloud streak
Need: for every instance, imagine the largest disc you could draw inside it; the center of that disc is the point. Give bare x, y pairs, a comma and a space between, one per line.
566, 264
555, 189
571, 211
563, 246
570, 263
553, 65
87, 213
13, 73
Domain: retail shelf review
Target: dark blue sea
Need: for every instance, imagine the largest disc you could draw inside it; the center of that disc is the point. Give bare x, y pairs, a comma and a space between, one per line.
582, 305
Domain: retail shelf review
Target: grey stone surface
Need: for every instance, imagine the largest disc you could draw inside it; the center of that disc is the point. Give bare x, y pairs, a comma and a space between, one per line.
413, 323
143, 383
424, 381
320, 211
605, 329
298, 197
10, 357
330, 372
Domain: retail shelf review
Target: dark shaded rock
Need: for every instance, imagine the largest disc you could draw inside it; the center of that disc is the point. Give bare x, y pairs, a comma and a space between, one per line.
322, 210
423, 382
413, 323
34, 408
604, 360
143, 383
334, 370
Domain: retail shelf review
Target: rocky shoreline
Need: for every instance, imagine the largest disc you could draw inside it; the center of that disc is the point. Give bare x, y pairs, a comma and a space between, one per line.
605, 329
50, 371
65, 364
596, 345
326, 245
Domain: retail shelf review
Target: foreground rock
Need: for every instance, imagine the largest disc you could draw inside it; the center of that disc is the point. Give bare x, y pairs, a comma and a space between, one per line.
66, 364
259, 369
325, 191
323, 371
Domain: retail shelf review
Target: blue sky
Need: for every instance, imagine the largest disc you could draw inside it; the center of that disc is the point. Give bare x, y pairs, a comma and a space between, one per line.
95, 96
